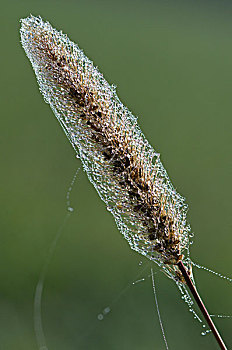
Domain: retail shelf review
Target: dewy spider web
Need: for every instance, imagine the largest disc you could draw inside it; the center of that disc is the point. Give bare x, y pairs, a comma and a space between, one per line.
121, 164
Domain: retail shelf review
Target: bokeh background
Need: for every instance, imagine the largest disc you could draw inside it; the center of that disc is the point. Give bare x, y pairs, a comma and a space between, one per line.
172, 63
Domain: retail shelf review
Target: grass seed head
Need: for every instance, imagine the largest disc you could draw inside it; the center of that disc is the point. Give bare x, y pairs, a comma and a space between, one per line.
121, 164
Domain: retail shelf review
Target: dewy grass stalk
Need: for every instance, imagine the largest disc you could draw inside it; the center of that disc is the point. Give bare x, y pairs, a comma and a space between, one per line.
120, 163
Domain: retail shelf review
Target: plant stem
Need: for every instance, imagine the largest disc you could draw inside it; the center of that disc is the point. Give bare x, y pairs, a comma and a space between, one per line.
201, 305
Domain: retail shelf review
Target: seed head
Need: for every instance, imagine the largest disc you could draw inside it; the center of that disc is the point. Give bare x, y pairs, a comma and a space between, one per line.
121, 164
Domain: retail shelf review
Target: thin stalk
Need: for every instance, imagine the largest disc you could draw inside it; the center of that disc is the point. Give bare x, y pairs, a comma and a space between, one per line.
201, 305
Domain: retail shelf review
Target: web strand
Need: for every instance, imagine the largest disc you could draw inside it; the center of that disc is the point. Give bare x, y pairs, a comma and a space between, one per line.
38, 323
157, 307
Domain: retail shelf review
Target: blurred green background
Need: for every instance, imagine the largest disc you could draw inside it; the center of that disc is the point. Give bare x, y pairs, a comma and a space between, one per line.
172, 63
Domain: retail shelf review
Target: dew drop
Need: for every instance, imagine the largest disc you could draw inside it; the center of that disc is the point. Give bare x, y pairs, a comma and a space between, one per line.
140, 263
106, 310
100, 317
70, 209
206, 332
141, 280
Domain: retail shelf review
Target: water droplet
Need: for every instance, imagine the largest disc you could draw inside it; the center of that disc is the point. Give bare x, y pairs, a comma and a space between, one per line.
206, 332
70, 209
140, 263
106, 310
100, 317
141, 280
